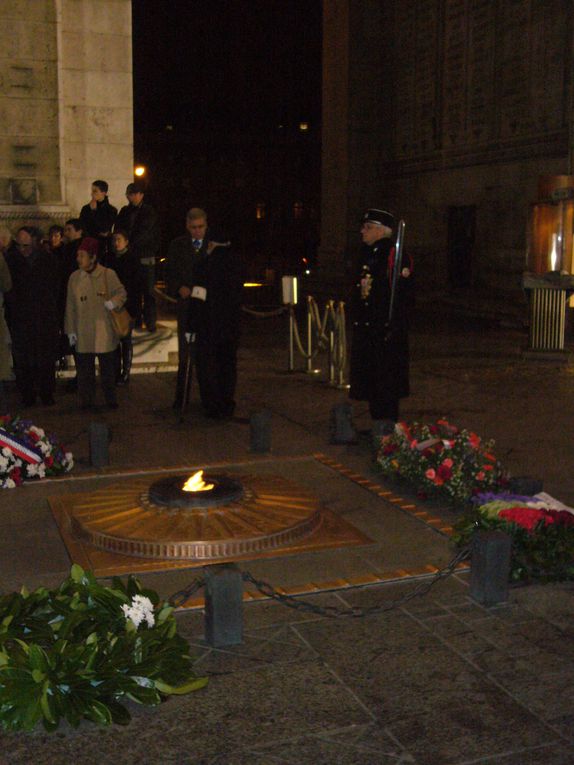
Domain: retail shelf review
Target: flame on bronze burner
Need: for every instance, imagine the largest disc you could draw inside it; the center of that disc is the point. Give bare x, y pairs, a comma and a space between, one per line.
196, 483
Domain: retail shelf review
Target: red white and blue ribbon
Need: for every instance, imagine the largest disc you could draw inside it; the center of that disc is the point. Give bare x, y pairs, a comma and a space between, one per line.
20, 449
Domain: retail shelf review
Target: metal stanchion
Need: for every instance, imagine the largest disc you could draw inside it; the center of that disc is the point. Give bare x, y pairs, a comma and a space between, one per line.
332, 357
323, 334
290, 296
291, 363
309, 338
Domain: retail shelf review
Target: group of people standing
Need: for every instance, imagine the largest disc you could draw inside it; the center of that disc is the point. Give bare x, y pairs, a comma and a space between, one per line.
61, 294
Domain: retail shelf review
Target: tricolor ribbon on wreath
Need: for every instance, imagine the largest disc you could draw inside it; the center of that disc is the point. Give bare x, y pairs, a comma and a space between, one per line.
20, 449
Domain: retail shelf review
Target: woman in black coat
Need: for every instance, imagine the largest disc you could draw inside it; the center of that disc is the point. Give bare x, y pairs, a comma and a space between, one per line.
32, 312
126, 267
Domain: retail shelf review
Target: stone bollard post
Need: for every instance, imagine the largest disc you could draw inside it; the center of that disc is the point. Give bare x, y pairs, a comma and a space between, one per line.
99, 436
490, 567
260, 432
342, 428
223, 605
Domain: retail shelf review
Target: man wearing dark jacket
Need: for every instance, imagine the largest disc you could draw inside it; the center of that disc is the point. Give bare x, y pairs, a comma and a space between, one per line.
380, 348
204, 275
32, 305
139, 221
98, 216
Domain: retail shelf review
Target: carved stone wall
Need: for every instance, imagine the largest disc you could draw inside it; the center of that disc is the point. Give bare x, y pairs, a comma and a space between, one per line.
481, 104
65, 105
29, 152
482, 96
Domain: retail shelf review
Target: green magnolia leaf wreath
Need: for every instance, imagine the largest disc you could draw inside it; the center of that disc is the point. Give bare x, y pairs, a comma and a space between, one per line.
78, 651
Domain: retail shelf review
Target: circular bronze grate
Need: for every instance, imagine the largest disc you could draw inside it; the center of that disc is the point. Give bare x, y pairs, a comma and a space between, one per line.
270, 512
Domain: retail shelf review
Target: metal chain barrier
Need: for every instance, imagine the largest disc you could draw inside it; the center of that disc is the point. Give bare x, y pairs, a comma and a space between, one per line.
355, 611
181, 596
333, 612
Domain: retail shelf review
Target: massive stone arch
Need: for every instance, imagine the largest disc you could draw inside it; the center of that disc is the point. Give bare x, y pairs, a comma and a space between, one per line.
66, 113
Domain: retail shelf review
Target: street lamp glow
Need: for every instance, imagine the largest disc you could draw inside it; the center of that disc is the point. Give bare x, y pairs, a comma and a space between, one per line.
139, 170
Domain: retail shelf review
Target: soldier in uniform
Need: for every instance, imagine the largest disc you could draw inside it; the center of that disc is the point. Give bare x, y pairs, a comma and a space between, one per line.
380, 348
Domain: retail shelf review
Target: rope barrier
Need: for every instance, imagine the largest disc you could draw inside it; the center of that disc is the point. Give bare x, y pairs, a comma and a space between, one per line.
327, 332
264, 314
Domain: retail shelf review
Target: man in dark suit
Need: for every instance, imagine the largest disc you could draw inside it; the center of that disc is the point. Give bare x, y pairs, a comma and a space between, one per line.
204, 275
139, 221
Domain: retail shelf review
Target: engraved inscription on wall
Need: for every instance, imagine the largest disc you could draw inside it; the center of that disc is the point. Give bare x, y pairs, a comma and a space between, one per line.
472, 75
416, 95
29, 155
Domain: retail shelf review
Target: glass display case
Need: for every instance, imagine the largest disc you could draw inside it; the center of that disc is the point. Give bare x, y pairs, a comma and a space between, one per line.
549, 278
551, 223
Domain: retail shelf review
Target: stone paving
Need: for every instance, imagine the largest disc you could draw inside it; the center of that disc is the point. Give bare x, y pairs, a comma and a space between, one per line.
439, 679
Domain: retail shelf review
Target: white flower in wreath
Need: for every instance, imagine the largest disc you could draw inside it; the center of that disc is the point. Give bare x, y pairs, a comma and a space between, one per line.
141, 610
38, 431
32, 470
44, 447
6, 452
3, 463
9, 484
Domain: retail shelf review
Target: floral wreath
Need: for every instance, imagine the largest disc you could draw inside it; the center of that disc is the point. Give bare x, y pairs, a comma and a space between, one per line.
27, 452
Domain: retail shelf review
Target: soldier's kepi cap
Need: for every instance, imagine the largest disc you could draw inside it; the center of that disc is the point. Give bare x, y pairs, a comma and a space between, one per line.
379, 217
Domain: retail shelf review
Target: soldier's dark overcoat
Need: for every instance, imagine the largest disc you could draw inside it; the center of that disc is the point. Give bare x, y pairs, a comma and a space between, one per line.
379, 353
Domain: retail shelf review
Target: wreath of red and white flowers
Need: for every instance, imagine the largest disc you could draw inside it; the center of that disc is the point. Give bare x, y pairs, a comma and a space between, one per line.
27, 452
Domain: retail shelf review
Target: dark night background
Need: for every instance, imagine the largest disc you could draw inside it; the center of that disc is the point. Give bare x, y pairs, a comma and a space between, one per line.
220, 89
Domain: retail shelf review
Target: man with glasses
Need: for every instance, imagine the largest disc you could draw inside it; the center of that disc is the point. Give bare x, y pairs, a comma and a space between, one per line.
33, 316
204, 275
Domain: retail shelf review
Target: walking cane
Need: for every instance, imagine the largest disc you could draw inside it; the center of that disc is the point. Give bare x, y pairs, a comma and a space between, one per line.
188, 367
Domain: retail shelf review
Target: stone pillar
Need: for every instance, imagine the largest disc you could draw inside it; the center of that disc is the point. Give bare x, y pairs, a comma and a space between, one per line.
95, 97
570, 112
356, 125
65, 106
335, 135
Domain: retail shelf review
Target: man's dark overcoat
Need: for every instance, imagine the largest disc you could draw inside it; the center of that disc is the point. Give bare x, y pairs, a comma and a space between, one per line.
33, 316
142, 227
99, 221
379, 353
216, 320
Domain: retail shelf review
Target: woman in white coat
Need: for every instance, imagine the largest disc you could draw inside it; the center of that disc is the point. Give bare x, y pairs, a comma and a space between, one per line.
93, 292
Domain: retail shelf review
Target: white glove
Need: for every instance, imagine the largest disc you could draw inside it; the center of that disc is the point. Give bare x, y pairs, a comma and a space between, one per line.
72, 339
110, 305
200, 293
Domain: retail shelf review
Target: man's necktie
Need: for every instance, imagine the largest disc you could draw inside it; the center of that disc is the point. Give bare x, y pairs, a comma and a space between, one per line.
197, 244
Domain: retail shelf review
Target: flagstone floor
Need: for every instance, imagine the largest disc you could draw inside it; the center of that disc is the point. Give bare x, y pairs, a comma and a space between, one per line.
438, 680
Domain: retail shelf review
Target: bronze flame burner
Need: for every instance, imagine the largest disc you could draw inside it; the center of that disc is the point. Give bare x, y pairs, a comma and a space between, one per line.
238, 516
169, 492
